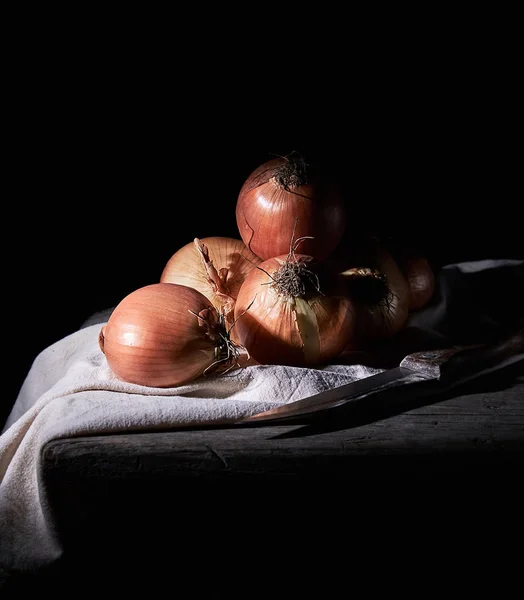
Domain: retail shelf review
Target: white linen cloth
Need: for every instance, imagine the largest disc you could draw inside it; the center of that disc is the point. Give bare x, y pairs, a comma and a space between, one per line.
71, 391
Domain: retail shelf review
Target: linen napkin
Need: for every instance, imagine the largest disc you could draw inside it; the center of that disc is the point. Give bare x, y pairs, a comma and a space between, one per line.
70, 391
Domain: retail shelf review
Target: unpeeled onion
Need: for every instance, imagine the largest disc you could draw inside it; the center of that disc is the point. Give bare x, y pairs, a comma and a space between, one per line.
215, 266
290, 312
389, 315
164, 335
419, 273
377, 284
286, 199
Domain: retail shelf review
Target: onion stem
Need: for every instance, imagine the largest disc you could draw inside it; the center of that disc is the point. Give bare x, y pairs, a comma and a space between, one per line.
226, 350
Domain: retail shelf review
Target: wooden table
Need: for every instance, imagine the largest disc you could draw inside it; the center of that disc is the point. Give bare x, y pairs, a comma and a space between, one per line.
448, 438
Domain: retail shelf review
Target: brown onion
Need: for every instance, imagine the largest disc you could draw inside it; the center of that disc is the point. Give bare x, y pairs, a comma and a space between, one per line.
289, 312
285, 199
420, 276
377, 283
164, 335
215, 266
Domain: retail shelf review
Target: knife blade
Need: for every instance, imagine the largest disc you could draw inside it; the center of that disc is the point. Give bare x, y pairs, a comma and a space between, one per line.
426, 372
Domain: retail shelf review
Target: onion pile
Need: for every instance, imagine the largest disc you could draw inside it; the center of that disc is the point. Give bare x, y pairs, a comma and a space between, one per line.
287, 292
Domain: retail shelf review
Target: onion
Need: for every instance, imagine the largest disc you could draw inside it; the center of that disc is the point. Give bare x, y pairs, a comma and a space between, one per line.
165, 334
215, 266
285, 199
420, 276
291, 312
376, 282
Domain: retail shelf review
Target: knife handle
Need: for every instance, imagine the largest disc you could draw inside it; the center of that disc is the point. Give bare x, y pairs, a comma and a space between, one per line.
458, 364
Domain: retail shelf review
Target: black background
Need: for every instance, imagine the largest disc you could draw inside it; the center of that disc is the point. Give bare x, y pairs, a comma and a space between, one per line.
116, 162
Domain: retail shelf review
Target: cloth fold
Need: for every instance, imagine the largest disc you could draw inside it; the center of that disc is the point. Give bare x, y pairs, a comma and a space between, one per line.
70, 391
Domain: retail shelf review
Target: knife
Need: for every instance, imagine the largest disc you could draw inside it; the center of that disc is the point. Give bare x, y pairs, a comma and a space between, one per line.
424, 372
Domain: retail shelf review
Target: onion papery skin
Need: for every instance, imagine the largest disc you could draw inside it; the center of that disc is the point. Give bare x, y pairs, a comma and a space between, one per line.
152, 339
295, 331
217, 275
270, 217
383, 319
420, 276
389, 317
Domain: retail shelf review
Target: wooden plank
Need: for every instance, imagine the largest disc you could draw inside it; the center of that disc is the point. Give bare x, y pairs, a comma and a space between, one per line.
410, 433
472, 425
